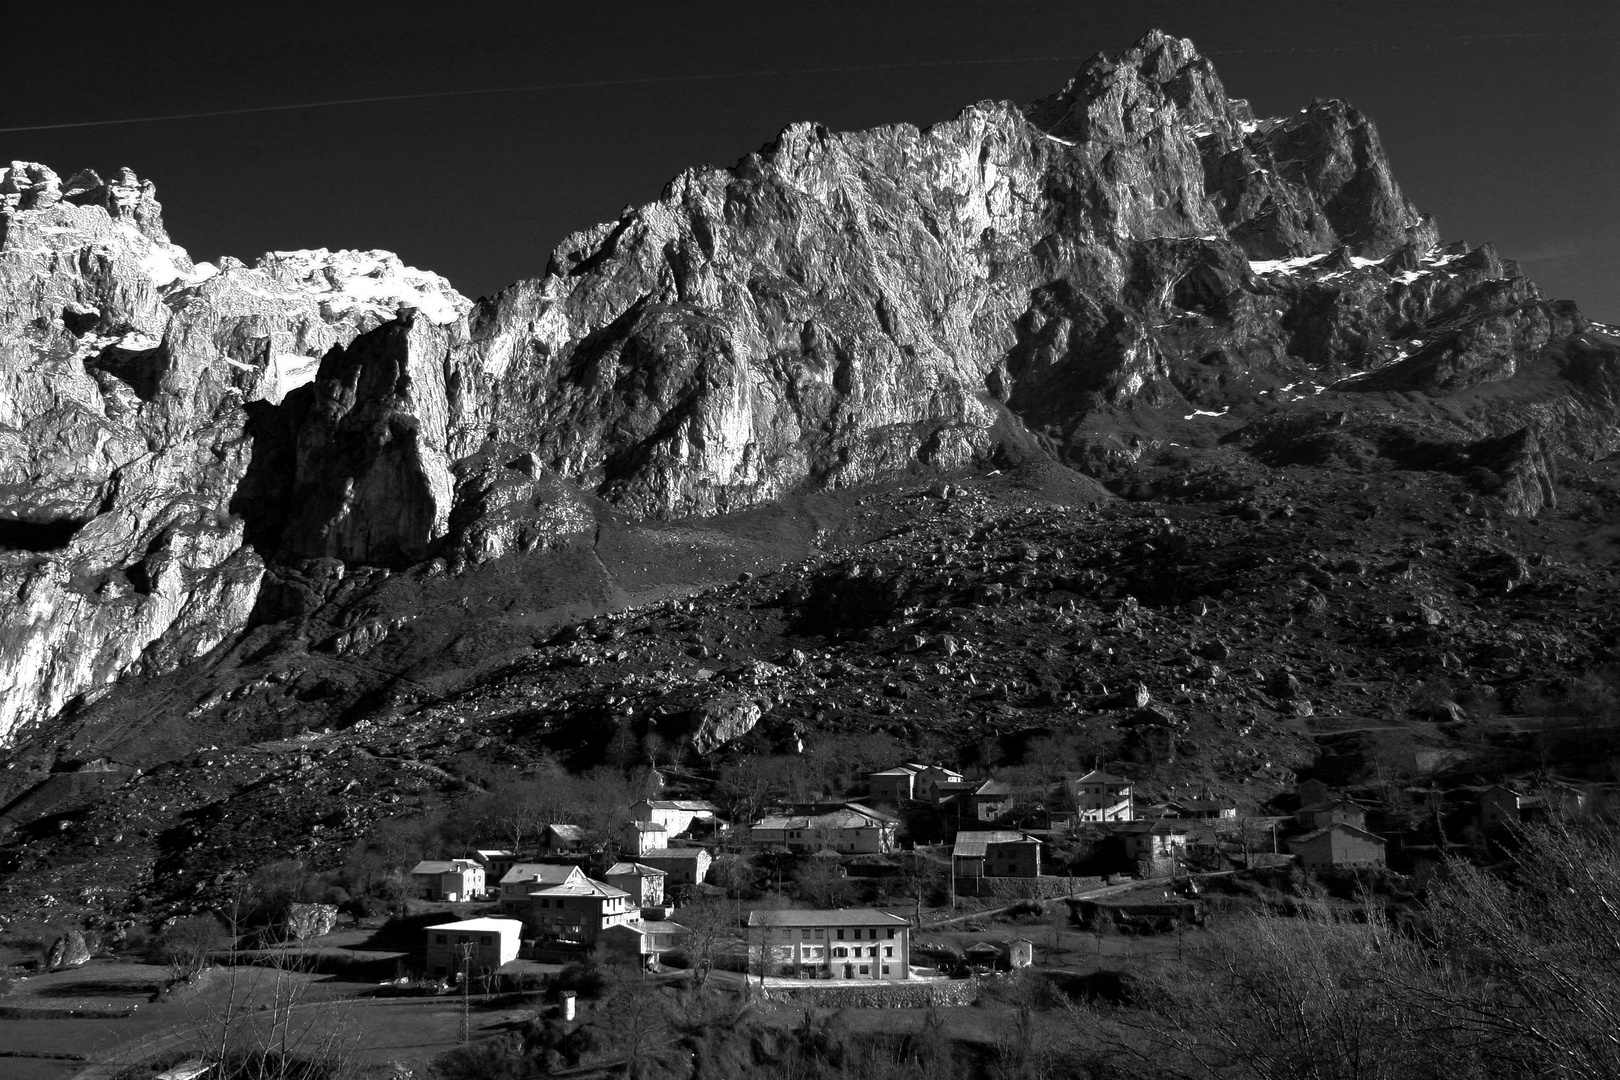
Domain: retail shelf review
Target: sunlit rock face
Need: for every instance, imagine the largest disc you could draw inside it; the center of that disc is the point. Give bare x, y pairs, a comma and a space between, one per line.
130, 383
1079, 278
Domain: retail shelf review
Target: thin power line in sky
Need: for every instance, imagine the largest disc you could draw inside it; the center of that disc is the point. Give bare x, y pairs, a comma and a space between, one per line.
650, 80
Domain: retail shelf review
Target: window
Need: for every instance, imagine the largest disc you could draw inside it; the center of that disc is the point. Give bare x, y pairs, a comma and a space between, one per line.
866, 969
820, 934
840, 951
840, 935
885, 969
888, 951
891, 933
872, 951
439, 939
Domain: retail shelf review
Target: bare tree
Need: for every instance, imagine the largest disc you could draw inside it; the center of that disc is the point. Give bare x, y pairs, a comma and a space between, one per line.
713, 927
1532, 954
190, 944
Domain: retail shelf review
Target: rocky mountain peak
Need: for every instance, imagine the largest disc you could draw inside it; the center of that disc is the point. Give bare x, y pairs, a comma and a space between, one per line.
1131, 266
27, 185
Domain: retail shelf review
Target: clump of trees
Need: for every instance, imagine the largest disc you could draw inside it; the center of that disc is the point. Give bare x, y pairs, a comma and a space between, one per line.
1510, 972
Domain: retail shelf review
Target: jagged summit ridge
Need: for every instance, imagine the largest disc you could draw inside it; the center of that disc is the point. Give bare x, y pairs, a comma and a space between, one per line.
1079, 278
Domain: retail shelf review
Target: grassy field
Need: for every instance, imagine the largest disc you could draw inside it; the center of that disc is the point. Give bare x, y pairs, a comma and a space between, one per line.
313, 1007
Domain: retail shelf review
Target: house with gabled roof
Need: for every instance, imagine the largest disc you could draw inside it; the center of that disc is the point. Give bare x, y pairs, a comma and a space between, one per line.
850, 828
637, 838
1153, 842
1338, 846
990, 801
470, 946
647, 939
495, 861
910, 781
681, 866
1319, 815
643, 883
677, 816
1100, 796
451, 881
560, 836
894, 785
996, 853
1501, 804
847, 943
516, 883
577, 910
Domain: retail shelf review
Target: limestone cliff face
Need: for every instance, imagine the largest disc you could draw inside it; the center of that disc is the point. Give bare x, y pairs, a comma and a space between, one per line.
1083, 275
130, 379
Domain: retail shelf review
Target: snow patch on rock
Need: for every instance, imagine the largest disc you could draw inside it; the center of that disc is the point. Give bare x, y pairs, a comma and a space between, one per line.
378, 281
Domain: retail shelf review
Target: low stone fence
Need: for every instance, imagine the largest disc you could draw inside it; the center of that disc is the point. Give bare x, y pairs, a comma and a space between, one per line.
917, 995
1025, 888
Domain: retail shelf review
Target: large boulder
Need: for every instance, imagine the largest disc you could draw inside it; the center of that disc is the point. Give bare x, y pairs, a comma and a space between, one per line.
71, 950
305, 921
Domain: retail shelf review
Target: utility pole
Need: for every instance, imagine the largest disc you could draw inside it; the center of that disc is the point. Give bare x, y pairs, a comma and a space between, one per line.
466, 986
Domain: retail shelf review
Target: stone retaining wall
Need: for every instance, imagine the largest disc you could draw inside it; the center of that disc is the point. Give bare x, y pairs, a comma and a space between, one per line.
1025, 888
918, 995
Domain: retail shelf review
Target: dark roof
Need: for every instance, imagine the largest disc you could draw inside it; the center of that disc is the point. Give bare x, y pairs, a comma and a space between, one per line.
544, 873
442, 866
626, 869
972, 843
1097, 776
1331, 804
838, 917
1163, 826
677, 853
1308, 837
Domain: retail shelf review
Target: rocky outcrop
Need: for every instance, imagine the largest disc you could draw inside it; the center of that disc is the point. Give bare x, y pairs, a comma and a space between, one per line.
305, 921
133, 386
1077, 278
71, 950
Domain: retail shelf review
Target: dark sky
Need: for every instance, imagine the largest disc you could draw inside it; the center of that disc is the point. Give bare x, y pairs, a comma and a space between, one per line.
1501, 118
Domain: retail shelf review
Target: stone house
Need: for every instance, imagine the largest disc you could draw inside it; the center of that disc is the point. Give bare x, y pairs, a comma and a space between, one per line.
452, 881
517, 881
1000, 955
1319, 815
563, 837
495, 861
857, 944
577, 910
676, 815
996, 853
1100, 796
848, 830
1153, 842
1338, 847
643, 883
648, 939
493, 942
910, 781
896, 785
681, 866
640, 837
981, 801
1501, 805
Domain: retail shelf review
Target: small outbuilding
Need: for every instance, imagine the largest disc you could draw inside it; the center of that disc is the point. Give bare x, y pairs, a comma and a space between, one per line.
1338, 847
472, 944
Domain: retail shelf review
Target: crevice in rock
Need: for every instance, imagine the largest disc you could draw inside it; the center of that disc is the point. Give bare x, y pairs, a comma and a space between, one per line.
54, 534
